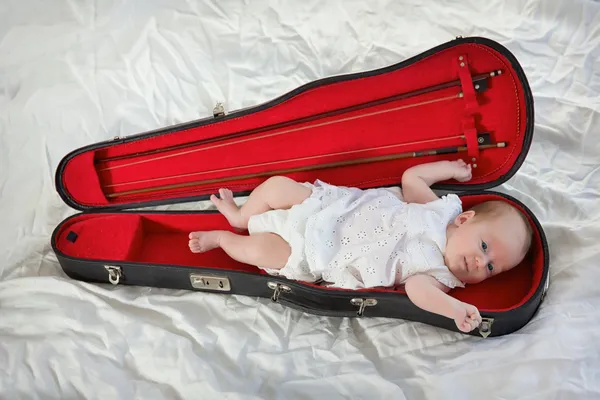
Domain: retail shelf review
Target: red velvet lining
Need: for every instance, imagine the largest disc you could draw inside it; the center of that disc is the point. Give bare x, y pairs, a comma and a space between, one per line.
501, 111
162, 238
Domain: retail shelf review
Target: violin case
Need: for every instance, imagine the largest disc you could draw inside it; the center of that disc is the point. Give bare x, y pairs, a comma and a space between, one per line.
468, 98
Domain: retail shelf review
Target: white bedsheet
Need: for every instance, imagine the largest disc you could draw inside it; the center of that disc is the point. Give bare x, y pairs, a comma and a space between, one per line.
73, 73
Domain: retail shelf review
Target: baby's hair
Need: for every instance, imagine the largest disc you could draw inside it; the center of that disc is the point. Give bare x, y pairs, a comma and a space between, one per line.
497, 209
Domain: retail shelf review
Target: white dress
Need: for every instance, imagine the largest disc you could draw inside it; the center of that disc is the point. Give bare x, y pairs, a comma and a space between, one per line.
354, 238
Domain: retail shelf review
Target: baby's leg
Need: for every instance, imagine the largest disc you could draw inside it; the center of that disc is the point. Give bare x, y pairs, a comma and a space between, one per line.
266, 250
277, 192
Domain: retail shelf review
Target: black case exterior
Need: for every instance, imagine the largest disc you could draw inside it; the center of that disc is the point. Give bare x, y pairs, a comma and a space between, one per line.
334, 303
313, 300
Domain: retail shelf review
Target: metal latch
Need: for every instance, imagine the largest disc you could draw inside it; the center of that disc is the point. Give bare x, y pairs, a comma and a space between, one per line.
485, 328
211, 282
546, 286
114, 273
362, 303
219, 110
277, 289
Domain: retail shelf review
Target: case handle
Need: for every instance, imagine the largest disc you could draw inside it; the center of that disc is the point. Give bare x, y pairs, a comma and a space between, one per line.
304, 304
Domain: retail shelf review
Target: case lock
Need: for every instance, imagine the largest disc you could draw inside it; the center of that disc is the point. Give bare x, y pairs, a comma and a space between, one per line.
114, 273
211, 282
485, 328
277, 289
362, 303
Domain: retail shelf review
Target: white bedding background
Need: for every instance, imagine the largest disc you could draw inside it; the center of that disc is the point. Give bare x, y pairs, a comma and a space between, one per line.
77, 72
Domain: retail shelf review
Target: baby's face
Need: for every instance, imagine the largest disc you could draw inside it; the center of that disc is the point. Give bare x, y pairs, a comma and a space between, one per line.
477, 250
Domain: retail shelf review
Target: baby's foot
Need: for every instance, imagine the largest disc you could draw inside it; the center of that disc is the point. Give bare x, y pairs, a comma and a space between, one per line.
228, 208
204, 241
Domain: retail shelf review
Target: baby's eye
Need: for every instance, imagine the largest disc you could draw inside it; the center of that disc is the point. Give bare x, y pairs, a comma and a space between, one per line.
490, 267
484, 245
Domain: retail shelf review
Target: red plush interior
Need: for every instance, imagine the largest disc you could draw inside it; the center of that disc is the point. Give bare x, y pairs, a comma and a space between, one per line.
89, 179
162, 238
434, 119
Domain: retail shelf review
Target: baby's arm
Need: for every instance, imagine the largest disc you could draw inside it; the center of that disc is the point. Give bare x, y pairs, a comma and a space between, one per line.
416, 181
430, 295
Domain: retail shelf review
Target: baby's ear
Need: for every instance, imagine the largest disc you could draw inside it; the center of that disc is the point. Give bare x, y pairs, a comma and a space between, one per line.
464, 217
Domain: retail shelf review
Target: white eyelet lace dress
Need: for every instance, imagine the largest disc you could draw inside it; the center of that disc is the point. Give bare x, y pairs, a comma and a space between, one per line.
353, 238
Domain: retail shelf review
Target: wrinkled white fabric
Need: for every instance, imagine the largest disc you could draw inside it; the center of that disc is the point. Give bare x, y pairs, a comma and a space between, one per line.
73, 73
354, 239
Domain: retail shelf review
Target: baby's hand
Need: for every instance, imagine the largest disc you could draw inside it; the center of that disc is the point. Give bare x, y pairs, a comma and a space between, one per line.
462, 171
467, 317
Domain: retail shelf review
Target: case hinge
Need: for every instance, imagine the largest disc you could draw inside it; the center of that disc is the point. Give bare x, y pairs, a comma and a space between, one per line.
277, 289
210, 282
114, 273
485, 328
219, 110
362, 303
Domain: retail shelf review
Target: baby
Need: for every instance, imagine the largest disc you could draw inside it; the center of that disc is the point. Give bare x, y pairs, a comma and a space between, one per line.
355, 238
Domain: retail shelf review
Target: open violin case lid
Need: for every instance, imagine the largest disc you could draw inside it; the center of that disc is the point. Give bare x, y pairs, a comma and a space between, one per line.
467, 98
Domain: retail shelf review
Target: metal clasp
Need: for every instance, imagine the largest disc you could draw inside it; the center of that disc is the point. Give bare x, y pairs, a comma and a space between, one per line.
114, 273
362, 303
219, 110
211, 282
485, 328
546, 286
277, 289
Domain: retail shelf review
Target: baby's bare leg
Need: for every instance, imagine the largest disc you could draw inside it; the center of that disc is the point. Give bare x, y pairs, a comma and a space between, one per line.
277, 192
266, 250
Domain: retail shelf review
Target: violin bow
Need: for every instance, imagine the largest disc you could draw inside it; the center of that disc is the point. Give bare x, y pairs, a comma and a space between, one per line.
480, 83
306, 158
409, 154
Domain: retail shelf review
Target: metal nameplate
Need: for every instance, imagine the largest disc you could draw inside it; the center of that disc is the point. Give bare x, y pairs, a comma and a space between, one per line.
210, 282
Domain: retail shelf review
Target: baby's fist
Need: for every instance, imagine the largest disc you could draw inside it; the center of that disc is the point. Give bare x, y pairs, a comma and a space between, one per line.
462, 171
467, 317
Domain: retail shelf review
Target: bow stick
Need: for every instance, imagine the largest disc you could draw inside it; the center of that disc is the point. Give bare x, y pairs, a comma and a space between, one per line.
479, 82
410, 154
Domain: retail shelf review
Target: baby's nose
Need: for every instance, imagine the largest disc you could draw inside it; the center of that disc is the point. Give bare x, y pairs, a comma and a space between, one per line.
481, 261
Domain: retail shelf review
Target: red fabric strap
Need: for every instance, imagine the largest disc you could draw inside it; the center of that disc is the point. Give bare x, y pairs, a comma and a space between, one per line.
471, 105
468, 125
